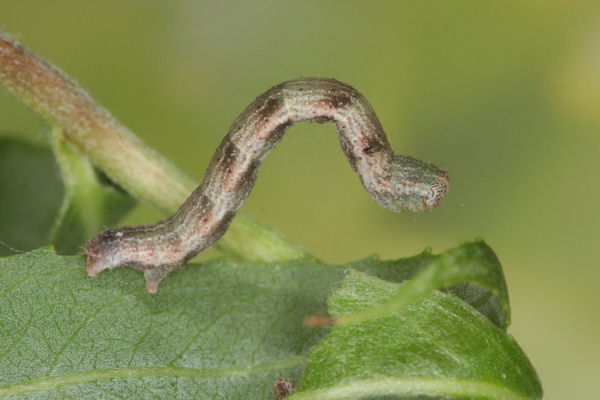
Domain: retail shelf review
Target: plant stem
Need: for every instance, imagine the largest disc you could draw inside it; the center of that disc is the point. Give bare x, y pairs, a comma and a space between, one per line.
114, 149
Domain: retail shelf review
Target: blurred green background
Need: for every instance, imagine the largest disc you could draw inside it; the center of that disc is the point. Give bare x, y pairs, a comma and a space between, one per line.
505, 95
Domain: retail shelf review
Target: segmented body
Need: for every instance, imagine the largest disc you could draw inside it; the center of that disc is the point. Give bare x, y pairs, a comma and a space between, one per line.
394, 181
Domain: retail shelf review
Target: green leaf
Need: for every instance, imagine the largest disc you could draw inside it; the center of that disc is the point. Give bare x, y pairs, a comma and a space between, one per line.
90, 202
30, 195
231, 329
491, 302
469, 263
219, 327
437, 346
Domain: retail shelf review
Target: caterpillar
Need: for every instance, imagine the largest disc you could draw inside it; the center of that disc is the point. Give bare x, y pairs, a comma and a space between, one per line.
394, 181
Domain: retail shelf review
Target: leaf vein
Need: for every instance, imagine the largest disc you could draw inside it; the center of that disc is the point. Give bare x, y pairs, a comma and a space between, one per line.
55, 382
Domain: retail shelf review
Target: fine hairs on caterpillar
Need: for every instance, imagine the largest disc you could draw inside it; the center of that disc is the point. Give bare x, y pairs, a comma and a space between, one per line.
394, 181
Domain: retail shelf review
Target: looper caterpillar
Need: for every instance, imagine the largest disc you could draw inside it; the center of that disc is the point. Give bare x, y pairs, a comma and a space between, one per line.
394, 181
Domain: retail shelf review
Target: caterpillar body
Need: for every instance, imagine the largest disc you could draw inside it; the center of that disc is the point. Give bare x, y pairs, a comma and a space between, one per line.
394, 181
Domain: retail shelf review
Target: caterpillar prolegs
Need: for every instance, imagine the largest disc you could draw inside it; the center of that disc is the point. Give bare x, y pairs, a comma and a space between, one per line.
394, 181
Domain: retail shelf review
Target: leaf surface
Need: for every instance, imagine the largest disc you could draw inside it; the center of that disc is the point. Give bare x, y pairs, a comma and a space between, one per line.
224, 328
470, 271
457, 270
435, 347
221, 327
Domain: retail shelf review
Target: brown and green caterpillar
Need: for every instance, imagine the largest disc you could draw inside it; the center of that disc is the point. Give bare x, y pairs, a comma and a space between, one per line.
394, 181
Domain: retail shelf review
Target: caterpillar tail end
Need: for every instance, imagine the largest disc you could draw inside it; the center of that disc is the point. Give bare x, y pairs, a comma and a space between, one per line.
111, 249
93, 266
96, 255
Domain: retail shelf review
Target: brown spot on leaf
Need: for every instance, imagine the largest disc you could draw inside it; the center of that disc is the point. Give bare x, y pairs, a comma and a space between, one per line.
283, 387
319, 320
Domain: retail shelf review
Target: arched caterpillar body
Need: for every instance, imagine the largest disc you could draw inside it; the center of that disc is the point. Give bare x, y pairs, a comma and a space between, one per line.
394, 181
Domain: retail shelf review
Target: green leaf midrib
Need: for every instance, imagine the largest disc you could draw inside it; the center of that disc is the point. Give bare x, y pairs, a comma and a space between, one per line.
412, 387
54, 382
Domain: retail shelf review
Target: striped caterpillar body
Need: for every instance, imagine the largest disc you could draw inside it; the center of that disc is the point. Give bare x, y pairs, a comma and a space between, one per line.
394, 181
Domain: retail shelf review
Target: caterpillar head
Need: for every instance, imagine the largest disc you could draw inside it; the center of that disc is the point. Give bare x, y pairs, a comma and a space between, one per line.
410, 184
